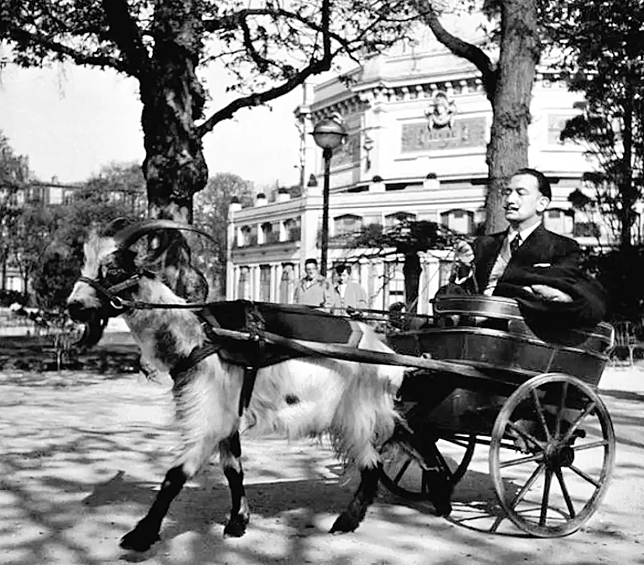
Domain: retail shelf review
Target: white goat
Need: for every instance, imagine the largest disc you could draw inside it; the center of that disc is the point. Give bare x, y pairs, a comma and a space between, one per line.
353, 402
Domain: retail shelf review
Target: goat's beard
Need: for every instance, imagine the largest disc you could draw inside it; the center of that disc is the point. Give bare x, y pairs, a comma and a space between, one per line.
93, 331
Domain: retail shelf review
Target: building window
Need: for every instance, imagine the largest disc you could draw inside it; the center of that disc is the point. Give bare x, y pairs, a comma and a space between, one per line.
394, 284
558, 221
265, 283
266, 231
292, 230
347, 224
586, 229
398, 217
243, 286
459, 221
287, 283
244, 236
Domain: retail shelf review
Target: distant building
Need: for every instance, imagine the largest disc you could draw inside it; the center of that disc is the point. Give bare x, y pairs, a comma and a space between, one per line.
418, 126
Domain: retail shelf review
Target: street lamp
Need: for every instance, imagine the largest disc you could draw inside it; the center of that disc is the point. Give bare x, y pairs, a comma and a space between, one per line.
329, 134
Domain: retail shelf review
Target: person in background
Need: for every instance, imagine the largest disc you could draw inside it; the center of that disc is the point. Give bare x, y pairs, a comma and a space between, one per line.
348, 295
313, 289
539, 268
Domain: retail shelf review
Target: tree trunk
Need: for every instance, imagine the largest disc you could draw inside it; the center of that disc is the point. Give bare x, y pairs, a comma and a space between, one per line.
173, 99
626, 182
508, 148
411, 272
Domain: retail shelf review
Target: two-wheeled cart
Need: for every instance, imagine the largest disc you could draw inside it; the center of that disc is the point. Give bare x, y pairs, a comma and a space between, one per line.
528, 393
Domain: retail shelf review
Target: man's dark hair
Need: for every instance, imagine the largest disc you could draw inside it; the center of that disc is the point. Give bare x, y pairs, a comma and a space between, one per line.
542, 182
311, 262
339, 269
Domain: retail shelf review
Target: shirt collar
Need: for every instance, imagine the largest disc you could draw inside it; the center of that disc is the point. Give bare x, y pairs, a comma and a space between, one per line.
512, 233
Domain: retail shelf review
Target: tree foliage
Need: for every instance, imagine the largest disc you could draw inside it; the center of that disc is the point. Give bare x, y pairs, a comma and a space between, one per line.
266, 48
211, 214
407, 238
609, 72
59, 252
14, 173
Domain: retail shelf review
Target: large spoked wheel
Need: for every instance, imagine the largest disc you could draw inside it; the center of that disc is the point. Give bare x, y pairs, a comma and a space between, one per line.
406, 472
561, 456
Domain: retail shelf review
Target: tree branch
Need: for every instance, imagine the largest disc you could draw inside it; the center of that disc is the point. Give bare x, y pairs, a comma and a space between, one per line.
127, 36
460, 48
22, 36
315, 66
259, 98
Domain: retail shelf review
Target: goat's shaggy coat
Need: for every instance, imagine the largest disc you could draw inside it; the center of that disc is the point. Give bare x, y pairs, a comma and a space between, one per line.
353, 402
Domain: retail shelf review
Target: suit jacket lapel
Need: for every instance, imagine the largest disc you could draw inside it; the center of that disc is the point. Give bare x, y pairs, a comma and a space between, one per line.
489, 252
534, 248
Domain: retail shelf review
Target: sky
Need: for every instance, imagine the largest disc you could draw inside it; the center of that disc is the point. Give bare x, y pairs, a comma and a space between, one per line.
70, 121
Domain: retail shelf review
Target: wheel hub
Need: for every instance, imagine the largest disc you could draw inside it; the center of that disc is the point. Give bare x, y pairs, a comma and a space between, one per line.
557, 456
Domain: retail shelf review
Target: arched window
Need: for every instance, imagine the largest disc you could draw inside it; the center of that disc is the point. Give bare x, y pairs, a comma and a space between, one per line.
398, 217
348, 223
559, 221
460, 221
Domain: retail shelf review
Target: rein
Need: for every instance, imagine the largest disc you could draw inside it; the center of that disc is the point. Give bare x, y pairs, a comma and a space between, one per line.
118, 303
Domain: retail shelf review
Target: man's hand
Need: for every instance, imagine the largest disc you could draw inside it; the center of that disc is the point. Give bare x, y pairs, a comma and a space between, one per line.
463, 253
548, 293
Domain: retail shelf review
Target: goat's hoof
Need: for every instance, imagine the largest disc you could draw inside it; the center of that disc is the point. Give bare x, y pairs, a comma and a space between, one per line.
344, 523
140, 538
443, 509
236, 527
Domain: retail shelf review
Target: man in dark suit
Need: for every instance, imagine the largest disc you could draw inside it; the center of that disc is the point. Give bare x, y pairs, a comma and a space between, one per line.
539, 268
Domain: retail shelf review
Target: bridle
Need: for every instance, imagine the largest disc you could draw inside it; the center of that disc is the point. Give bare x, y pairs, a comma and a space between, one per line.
111, 293
120, 304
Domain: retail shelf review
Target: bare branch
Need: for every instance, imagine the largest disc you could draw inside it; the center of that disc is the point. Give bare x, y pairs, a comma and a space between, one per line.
22, 36
259, 98
472, 53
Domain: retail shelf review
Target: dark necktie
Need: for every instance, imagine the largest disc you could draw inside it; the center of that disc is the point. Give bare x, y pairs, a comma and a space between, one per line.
515, 243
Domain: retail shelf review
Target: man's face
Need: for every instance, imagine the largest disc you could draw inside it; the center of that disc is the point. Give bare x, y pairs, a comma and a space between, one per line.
311, 269
522, 201
343, 277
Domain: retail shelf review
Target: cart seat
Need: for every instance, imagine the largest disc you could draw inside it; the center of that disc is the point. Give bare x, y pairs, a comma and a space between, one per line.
490, 333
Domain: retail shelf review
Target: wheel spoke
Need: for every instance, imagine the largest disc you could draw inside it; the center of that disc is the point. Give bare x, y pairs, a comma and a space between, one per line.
535, 475
578, 421
585, 476
539, 409
562, 405
525, 435
590, 445
521, 461
564, 491
402, 471
545, 498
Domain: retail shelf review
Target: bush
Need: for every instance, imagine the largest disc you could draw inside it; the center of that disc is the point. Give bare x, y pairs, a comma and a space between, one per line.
619, 272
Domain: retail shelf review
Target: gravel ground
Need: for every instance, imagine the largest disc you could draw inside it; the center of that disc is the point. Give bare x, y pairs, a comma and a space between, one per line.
83, 454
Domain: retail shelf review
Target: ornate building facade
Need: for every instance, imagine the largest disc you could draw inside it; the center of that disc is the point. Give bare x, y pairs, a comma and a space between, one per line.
418, 126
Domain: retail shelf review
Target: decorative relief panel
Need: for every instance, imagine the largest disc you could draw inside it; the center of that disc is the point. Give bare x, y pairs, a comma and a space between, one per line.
464, 133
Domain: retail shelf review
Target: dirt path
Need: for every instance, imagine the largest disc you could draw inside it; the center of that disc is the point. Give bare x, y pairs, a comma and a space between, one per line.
82, 456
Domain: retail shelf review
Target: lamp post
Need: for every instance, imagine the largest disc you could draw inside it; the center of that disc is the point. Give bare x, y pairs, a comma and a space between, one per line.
329, 135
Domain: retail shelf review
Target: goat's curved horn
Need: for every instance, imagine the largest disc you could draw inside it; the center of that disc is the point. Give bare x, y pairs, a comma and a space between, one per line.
131, 234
